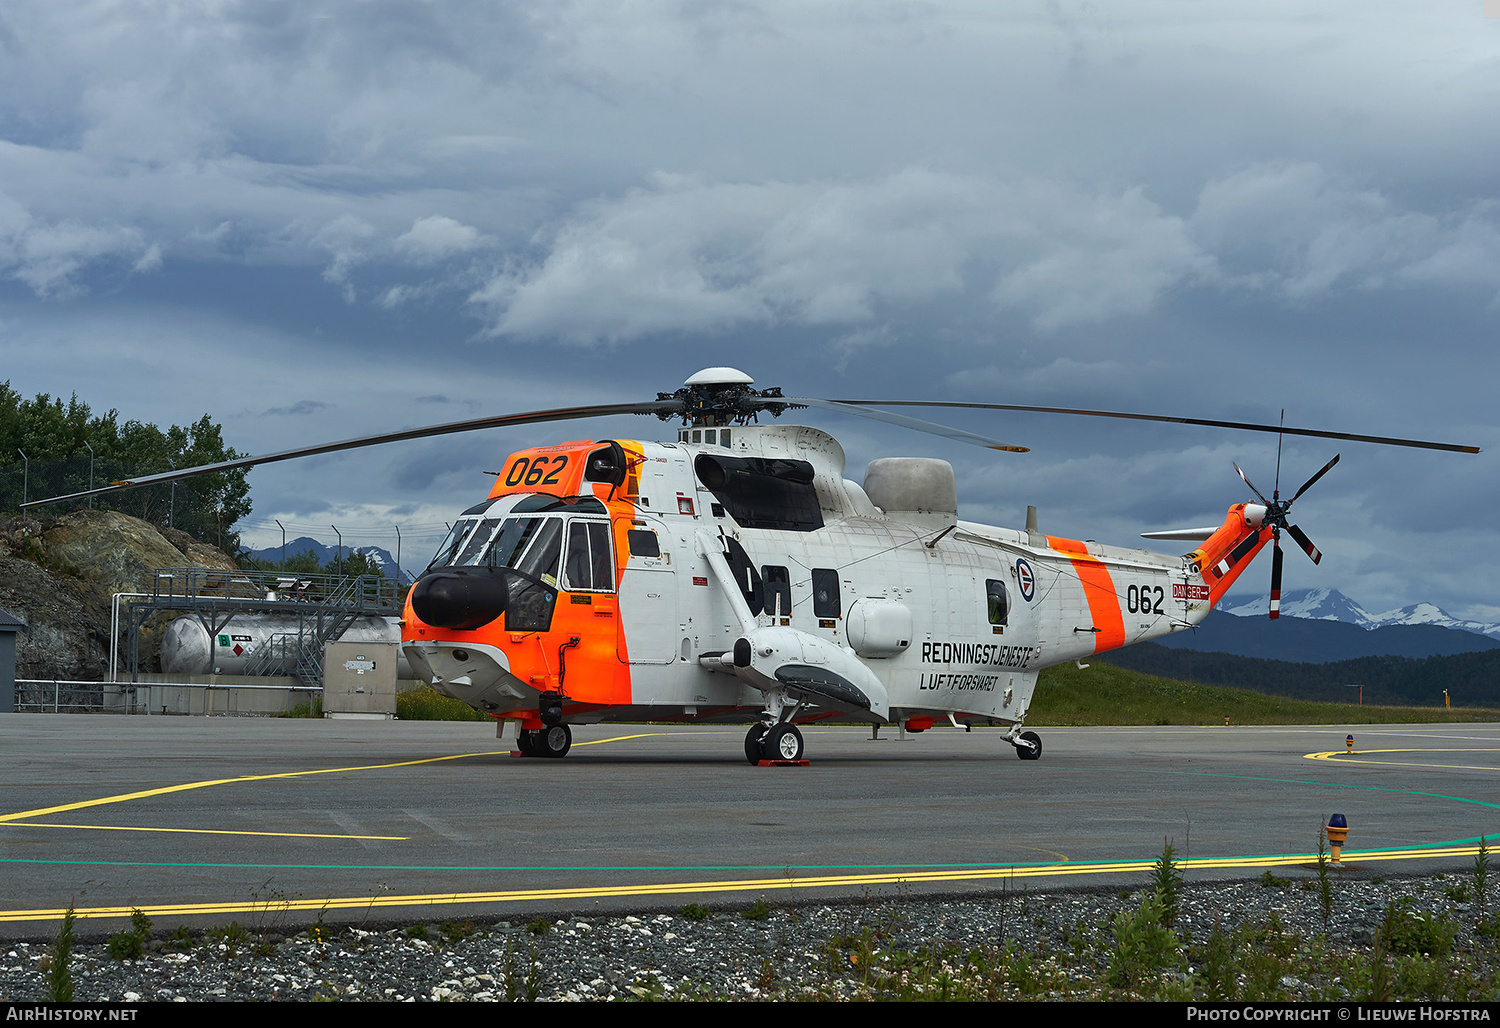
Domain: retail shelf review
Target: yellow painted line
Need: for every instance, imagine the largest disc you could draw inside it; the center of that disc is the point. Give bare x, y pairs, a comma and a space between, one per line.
737, 885
23, 815
187, 786
1345, 757
618, 738
206, 831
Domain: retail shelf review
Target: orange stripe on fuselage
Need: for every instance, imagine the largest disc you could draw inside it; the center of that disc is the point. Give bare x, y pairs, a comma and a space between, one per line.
1098, 589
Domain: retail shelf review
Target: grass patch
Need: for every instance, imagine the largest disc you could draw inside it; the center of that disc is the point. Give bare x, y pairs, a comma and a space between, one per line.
426, 704
1103, 694
313, 708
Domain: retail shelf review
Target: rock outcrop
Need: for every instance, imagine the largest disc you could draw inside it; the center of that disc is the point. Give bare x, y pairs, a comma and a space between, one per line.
58, 575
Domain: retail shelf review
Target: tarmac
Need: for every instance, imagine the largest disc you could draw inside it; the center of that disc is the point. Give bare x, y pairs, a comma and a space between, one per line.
204, 820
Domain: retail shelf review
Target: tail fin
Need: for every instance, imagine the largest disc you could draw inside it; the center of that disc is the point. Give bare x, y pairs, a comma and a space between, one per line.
1230, 550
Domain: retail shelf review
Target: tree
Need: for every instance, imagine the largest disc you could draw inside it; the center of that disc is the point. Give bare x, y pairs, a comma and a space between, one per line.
57, 436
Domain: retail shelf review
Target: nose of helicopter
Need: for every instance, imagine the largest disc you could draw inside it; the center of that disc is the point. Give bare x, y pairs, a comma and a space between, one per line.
460, 598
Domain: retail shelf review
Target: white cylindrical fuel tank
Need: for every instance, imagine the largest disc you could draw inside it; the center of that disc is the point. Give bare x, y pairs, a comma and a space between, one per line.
187, 649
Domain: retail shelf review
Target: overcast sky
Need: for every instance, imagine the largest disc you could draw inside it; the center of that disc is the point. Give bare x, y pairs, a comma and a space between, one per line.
316, 220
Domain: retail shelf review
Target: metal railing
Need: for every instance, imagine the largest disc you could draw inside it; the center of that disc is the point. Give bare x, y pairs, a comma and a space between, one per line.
70, 696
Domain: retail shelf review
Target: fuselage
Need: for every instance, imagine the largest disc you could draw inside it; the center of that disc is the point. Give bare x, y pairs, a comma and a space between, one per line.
617, 565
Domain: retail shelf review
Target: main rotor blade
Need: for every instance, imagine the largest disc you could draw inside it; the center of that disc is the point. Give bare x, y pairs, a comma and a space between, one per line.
1243, 425
451, 428
905, 422
1310, 481
1254, 490
1276, 578
1306, 543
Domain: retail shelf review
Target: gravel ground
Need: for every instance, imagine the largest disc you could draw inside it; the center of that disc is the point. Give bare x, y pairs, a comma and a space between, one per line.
667, 954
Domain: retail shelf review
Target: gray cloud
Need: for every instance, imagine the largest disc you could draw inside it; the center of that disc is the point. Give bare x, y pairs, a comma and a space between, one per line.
1205, 209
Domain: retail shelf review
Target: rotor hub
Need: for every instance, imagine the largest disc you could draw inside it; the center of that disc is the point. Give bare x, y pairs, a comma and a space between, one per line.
721, 396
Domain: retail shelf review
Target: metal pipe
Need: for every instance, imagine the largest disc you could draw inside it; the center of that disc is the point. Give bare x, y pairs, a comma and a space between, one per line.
25, 482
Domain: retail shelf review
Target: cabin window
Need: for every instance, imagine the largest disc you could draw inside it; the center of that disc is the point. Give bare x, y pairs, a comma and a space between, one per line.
778, 590
826, 602
643, 543
998, 601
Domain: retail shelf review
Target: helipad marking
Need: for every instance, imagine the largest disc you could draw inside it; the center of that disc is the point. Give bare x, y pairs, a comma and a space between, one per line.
1345, 757
736, 885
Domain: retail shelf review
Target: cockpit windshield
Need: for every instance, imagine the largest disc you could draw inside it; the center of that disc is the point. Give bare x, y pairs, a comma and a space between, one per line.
487, 534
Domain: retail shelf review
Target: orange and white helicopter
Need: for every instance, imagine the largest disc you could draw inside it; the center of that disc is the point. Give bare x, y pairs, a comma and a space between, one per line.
736, 575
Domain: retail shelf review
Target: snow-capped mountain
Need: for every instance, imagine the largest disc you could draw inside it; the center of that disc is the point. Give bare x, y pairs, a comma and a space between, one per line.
1332, 605
325, 554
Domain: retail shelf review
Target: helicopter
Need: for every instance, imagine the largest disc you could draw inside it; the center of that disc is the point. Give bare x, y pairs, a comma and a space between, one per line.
735, 574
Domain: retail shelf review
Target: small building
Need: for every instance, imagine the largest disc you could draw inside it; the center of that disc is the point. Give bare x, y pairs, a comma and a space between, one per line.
9, 626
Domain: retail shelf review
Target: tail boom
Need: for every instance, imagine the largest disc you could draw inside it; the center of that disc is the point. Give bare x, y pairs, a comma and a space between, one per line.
1230, 550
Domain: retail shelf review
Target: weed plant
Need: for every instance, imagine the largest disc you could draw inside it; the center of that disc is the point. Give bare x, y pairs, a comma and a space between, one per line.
59, 973
1325, 879
757, 911
1480, 878
131, 944
1166, 883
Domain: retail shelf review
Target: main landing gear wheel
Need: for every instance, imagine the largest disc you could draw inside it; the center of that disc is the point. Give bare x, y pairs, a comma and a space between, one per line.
753, 739
783, 742
526, 742
553, 742
1030, 747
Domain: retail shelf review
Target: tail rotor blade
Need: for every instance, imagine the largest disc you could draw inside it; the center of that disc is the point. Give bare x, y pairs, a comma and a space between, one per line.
1326, 468
1252, 486
1304, 542
1276, 578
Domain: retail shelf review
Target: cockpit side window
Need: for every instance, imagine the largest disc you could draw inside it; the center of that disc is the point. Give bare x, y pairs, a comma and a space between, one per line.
512, 541
542, 555
588, 564
529, 608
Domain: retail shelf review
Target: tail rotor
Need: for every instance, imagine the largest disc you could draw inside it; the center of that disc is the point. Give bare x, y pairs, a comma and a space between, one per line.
1276, 517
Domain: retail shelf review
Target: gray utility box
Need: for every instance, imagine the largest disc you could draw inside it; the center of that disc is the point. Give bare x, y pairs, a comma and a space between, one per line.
359, 679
